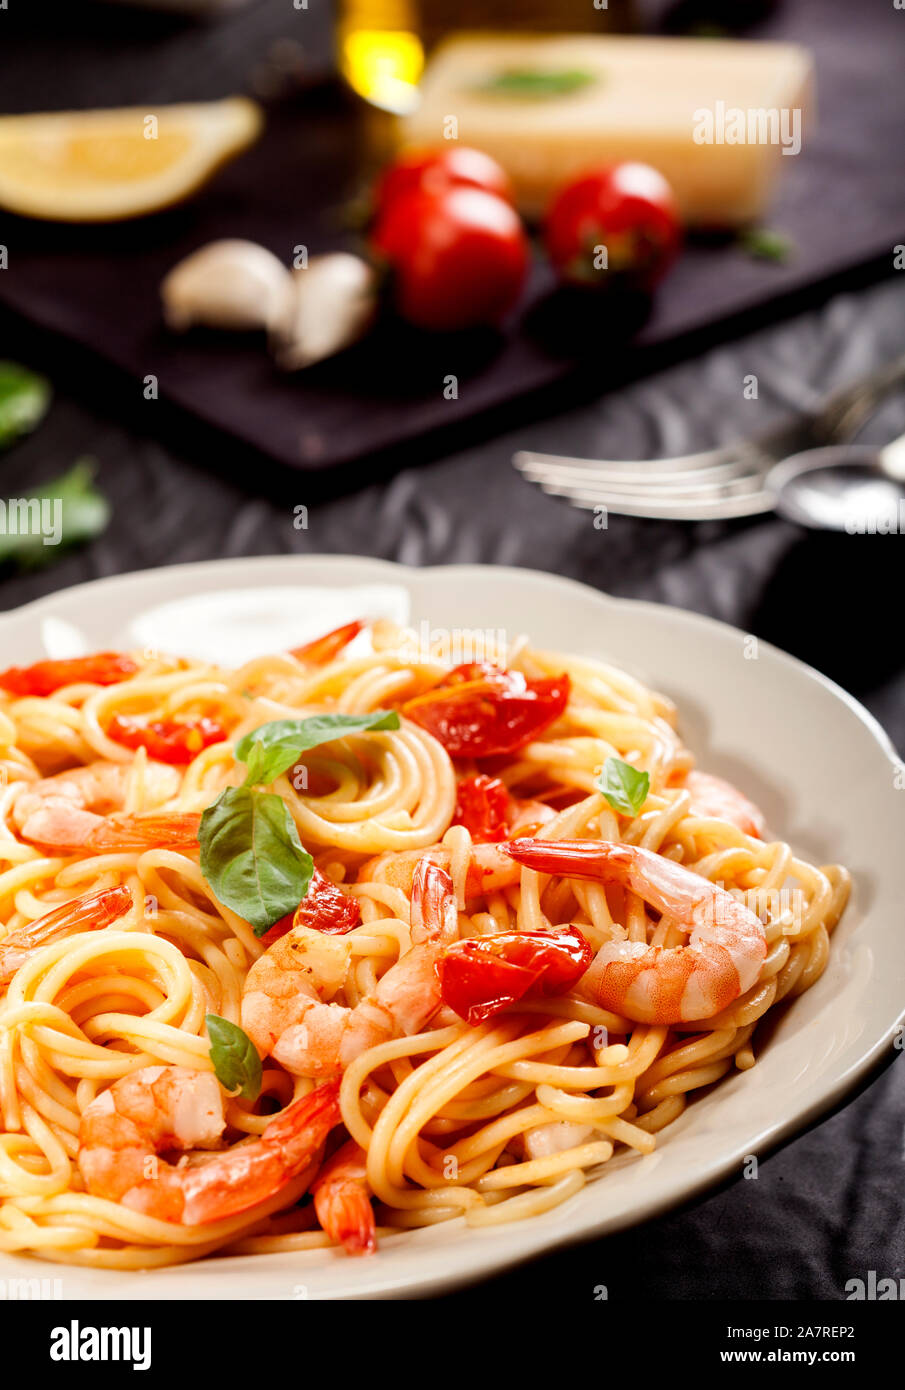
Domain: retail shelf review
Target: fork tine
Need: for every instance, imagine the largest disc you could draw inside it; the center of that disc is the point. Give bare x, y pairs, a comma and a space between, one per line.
719, 483
714, 464
678, 463
678, 507
635, 476
712, 483
706, 490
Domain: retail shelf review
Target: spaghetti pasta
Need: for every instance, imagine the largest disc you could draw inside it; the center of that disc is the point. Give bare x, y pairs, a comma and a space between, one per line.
476, 1070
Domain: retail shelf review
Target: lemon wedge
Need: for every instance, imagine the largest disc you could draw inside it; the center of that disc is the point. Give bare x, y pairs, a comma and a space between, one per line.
102, 166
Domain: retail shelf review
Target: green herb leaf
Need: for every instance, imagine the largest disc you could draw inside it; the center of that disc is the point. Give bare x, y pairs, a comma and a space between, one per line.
765, 245
536, 82
273, 748
234, 1056
624, 787
251, 854
252, 857
63, 512
24, 398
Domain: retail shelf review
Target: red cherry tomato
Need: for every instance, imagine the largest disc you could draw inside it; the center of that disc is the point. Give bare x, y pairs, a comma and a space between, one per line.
167, 740
458, 257
479, 710
482, 975
628, 208
482, 806
324, 649
324, 908
430, 171
45, 677
327, 908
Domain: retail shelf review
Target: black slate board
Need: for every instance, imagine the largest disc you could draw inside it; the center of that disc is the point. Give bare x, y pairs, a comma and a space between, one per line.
842, 203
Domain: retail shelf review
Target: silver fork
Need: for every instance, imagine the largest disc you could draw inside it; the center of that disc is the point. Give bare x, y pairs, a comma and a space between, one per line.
716, 483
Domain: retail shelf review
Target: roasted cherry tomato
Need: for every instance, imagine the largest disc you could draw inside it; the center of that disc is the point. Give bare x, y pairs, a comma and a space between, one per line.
324, 649
103, 668
630, 210
167, 740
482, 975
482, 806
431, 171
480, 710
324, 908
458, 258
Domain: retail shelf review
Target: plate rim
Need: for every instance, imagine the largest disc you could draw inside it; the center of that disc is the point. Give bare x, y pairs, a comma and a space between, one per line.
840, 1091
687, 615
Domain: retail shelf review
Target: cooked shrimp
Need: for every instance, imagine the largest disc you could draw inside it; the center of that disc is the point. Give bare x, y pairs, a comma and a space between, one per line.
713, 797
489, 870
657, 984
283, 1005
160, 1109
99, 787
342, 1200
91, 912
75, 811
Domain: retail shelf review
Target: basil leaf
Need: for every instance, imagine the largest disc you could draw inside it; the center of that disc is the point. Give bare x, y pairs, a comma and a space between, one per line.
63, 512
24, 398
234, 1056
537, 82
251, 854
624, 787
252, 857
766, 245
273, 748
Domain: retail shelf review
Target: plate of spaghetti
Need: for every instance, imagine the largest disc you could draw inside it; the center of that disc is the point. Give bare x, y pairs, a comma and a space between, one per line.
366, 930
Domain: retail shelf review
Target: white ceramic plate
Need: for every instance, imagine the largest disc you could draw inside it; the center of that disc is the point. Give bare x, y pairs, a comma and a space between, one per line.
820, 767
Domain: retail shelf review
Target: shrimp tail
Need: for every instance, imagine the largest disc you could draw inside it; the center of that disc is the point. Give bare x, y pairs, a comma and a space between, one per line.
129, 833
347, 1216
303, 1126
91, 912
434, 913
667, 886
574, 858
342, 1201
287, 1147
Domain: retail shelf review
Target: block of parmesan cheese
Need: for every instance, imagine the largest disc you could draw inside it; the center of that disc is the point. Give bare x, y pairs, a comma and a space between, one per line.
718, 117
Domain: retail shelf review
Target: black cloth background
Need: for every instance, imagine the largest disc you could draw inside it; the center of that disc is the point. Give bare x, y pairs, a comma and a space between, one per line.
831, 1205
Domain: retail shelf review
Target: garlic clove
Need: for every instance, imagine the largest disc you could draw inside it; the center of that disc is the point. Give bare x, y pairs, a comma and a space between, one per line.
230, 284
333, 305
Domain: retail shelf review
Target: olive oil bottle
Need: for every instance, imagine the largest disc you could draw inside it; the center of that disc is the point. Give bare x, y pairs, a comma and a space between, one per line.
383, 44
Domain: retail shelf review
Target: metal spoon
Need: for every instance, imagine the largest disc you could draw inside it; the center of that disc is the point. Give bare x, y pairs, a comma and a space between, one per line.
845, 487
